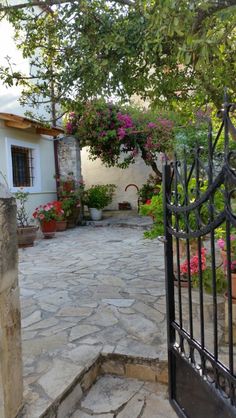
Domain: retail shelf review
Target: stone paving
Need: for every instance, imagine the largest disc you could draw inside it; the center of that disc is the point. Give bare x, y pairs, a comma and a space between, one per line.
92, 291
89, 290
116, 397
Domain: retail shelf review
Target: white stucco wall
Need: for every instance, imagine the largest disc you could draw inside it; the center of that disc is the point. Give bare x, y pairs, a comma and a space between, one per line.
94, 172
47, 190
9, 104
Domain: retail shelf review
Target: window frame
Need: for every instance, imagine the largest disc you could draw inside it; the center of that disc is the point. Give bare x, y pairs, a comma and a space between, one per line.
36, 156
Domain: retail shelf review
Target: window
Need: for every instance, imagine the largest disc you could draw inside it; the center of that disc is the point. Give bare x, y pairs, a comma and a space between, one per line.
22, 166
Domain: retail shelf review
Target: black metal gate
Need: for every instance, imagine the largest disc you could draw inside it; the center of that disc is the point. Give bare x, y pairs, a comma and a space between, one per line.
200, 218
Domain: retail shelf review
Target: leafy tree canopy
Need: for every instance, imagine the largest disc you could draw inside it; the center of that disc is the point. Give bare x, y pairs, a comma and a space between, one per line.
176, 53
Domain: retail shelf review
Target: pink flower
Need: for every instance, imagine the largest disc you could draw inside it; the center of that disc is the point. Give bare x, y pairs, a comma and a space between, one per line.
121, 133
151, 125
126, 120
221, 243
41, 216
134, 153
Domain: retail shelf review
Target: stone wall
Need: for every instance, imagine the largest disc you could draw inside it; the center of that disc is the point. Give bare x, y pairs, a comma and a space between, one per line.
11, 383
69, 157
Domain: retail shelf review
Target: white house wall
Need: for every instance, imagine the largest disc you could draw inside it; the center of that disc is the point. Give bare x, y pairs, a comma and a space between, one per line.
47, 190
9, 103
94, 172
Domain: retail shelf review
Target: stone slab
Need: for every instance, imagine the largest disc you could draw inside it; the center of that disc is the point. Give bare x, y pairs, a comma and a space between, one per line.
56, 380
109, 394
119, 303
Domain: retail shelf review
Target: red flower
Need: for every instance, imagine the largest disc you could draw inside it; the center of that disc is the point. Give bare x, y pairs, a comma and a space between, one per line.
194, 263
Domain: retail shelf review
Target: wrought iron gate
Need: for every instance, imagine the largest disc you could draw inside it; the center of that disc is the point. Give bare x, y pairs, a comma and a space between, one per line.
199, 199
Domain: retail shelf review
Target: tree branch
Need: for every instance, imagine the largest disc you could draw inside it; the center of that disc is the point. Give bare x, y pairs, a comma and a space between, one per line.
48, 3
204, 14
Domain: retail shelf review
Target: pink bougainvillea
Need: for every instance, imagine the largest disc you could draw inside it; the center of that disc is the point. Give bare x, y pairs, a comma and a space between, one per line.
111, 131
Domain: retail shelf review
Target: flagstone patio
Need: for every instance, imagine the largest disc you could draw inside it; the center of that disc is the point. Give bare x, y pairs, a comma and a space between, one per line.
93, 301
85, 292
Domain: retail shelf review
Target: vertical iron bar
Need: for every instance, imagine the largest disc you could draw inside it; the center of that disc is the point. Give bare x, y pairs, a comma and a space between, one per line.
169, 279
188, 249
213, 263
177, 248
230, 321
228, 244
197, 156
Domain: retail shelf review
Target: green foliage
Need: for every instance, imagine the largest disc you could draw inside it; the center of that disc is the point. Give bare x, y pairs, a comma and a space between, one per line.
154, 209
221, 283
148, 189
99, 196
70, 193
186, 140
204, 209
179, 54
21, 214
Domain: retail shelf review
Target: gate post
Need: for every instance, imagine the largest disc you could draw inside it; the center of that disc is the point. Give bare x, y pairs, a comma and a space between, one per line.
11, 381
169, 273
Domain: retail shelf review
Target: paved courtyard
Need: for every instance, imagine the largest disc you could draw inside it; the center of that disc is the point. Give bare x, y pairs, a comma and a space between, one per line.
97, 290
88, 290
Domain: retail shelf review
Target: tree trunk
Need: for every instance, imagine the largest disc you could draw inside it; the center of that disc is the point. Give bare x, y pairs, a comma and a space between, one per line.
152, 164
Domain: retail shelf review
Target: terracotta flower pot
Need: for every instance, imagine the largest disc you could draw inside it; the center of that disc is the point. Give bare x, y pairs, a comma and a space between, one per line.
26, 236
233, 285
183, 281
73, 218
61, 225
48, 228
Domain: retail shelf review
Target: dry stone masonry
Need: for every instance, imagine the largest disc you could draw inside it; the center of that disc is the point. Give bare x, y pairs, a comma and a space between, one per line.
69, 157
11, 384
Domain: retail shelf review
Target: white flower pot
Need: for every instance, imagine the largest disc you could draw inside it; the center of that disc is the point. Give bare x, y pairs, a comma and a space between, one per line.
96, 214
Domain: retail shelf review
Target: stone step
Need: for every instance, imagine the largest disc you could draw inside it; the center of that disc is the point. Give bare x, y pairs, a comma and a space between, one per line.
121, 397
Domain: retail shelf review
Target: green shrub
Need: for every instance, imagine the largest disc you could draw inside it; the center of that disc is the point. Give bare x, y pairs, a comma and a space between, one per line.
154, 208
99, 196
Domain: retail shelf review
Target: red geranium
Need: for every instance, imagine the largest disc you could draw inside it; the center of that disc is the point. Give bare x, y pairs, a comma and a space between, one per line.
194, 263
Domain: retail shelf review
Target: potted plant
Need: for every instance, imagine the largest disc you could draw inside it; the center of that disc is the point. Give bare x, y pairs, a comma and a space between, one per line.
71, 196
61, 221
223, 250
47, 215
206, 272
222, 245
97, 197
26, 233
192, 268
71, 207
